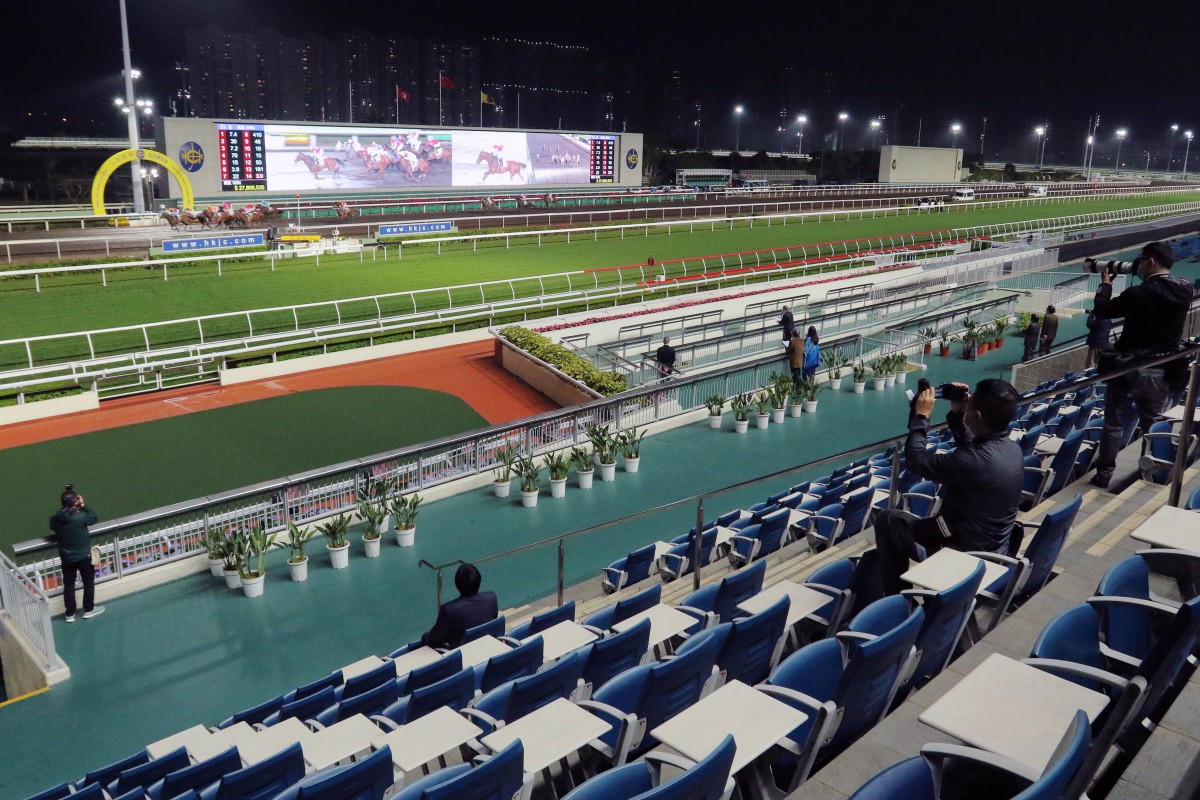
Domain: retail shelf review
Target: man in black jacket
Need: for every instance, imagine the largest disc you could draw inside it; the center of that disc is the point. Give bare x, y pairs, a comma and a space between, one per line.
665, 357
981, 482
788, 323
471, 608
1155, 311
70, 526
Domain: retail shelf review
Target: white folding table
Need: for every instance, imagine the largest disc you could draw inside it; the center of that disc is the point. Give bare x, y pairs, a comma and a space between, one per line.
1170, 527
947, 567
430, 737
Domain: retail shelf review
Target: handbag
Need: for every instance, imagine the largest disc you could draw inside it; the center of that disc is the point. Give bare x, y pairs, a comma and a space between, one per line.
97, 559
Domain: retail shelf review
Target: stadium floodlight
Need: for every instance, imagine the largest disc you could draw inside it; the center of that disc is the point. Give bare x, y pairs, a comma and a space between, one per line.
1121, 134
801, 120
955, 129
737, 137
1187, 135
1171, 145
842, 117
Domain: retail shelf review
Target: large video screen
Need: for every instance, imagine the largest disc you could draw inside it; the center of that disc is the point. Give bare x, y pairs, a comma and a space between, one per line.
264, 157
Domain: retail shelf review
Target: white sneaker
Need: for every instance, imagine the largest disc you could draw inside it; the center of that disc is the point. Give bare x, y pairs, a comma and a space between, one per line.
95, 612
69, 618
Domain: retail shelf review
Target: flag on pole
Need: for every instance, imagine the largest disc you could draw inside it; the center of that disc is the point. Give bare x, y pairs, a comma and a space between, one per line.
486, 99
447, 83
403, 95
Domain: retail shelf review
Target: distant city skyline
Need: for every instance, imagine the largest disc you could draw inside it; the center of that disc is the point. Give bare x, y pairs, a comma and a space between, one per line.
914, 71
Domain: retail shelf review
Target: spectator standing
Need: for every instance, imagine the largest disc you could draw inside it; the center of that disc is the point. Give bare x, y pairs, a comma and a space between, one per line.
1049, 330
1033, 338
70, 526
664, 357
1099, 337
795, 354
471, 608
788, 323
1154, 311
812, 352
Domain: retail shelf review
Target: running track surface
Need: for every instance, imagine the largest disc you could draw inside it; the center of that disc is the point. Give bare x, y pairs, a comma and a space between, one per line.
465, 370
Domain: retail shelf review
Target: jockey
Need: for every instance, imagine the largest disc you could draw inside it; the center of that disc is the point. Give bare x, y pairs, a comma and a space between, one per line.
413, 140
228, 205
354, 142
318, 153
498, 153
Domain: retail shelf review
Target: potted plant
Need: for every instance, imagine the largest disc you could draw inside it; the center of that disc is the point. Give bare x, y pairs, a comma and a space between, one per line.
900, 367
297, 561
779, 390
834, 364
558, 465
860, 377
944, 340
1022, 321
796, 397
741, 412
879, 373
506, 456
762, 409
599, 437
810, 387
715, 404
254, 565
999, 327
335, 531
404, 511
928, 334
235, 551
214, 544
529, 476
373, 508
889, 370
604, 446
631, 448
970, 339
581, 459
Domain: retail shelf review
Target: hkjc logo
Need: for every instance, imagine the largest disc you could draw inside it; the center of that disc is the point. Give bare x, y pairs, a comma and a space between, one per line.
893, 163
191, 156
631, 158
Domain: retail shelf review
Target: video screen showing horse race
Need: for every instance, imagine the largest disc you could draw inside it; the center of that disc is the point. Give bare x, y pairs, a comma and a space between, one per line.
226, 157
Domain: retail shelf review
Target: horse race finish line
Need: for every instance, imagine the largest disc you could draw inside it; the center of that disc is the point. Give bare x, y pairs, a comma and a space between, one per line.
124, 157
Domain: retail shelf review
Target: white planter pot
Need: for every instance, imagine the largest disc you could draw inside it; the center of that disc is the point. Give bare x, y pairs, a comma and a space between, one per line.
558, 487
810, 406
501, 488
529, 499
216, 567
406, 537
299, 571
585, 478
880, 383
632, 464
371, 547
608, 472
253, 587
794, 409
232, 579
339, 557
761, 421
714, 421
889, 380
777, 415
835, 383
859, 388
901, 377
741, 425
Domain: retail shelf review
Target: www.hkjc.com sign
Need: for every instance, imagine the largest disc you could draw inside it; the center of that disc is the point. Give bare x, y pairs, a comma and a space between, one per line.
416, 227
212, 243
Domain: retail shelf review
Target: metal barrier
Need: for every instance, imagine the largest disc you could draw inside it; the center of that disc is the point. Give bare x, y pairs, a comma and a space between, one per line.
26, 605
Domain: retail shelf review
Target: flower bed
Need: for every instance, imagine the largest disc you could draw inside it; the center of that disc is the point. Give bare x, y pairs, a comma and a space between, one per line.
562, 359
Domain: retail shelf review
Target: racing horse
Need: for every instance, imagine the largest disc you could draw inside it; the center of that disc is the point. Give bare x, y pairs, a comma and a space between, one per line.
174, 220
496, 166
328, 163
487, 204
344, 210
414, 166
378, 163
434, 150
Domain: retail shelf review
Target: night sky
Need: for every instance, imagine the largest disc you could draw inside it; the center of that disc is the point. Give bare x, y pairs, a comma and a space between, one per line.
1017, 63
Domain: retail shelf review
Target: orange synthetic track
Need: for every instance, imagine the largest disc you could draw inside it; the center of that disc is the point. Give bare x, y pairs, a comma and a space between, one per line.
465, 370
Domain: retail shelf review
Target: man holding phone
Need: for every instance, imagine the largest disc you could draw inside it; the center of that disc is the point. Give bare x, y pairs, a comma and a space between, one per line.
70, 526
981, 480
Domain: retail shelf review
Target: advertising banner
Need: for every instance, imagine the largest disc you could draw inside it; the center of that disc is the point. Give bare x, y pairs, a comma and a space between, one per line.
212, 243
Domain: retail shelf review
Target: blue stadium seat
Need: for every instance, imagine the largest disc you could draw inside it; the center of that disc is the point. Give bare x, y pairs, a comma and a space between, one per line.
921, 499
371, 679
612, 655
523, 660
493, 627
750, 646
633, 568
445, 667
622, 610
109, 773
367, 704
946, 616
455, 692
254, 714
197, 776
367, 779
333, 679
501, 777
825, 528
547, 619
708, 779
720, 601
677, 562
305, 708
515, 699
261, 781
144, 775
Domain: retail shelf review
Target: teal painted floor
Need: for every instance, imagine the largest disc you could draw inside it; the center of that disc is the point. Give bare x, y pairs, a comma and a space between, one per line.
193, 652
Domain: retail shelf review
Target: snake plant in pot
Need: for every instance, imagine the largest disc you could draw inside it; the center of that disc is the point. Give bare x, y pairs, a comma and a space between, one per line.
254, 565
604, 445
335, 531
762, 409
235, 551
715, 404
297, 561
581, 459
741, 412
214, 545
630, 442
779, 390
373, 508
404, 511
506, 456
529, 477
860, 377
558, 465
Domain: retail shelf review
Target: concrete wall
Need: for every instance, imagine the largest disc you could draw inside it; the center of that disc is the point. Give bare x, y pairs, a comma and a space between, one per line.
536, 374
23, 667
40, 409
899, 164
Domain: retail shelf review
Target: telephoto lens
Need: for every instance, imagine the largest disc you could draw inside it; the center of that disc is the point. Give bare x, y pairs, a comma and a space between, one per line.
1111, 267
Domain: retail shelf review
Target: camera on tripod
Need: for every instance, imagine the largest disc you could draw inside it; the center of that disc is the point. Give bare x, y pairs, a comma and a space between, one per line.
1111, 267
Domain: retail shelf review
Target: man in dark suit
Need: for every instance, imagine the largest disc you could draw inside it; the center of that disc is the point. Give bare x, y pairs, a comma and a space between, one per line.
788, 323
665, 357
472, 608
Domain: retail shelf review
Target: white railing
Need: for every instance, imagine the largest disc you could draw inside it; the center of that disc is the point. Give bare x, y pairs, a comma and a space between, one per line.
26, 605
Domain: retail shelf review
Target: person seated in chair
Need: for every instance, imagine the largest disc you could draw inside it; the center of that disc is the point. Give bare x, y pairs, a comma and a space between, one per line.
471, 608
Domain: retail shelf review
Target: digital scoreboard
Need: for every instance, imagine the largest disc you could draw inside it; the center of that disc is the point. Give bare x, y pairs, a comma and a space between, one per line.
242, 153
603, 158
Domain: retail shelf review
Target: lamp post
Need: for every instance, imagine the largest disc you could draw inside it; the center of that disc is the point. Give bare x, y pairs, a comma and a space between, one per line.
697, 126
1121, 134
875, 126
1040, 130
955, 129
1187, 135
842, 117
1171, 145
149, 176
780, 130
737, 136
1147, 161
131, 121
801, 121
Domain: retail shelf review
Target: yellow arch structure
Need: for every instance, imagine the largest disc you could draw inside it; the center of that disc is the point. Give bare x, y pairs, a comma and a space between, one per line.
124, 157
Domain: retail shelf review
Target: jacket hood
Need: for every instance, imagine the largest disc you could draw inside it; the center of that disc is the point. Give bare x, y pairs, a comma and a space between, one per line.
1170, 290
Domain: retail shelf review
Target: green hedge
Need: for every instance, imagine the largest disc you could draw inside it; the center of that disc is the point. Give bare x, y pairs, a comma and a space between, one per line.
562, 359
49, 393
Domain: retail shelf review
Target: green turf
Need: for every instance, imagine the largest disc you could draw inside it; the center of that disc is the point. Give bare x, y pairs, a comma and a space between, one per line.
131, 469
78, 302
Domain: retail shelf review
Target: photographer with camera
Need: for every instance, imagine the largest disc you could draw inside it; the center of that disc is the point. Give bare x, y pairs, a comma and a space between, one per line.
981, 480
70, 526
1154, 311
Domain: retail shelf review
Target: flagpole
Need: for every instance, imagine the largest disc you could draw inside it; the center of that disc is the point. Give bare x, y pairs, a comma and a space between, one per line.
351, 84
397, 104
440, 117
518, 108
481, 108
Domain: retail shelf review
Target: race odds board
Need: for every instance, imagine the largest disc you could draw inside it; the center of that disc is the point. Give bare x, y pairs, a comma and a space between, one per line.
242, 152
603, 153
